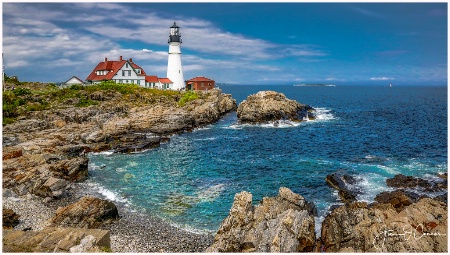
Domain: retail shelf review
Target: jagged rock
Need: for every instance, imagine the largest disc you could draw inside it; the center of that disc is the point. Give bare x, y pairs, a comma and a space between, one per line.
398, 198
52, 187
74, 169
443, 176
284, 223
88, 212
10, 140
12, 154
341, 183
10, 218
135, 142
52, 239
356, 227
94, 137
405, 182
266, 106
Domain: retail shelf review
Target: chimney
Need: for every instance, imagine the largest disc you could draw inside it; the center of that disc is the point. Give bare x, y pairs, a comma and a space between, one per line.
131, 60
120, 58
106, 59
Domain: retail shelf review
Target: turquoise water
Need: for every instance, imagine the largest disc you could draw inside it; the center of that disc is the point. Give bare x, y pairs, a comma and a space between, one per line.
371, 133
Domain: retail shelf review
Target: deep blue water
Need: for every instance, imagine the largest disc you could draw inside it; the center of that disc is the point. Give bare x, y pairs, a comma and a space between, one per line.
370, 132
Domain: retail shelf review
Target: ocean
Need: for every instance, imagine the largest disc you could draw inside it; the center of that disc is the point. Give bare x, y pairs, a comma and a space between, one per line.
369, 132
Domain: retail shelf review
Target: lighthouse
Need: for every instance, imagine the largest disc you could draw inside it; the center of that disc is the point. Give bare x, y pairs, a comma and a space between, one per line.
174, 67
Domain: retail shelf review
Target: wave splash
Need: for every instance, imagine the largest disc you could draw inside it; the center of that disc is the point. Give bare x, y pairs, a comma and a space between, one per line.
322, 115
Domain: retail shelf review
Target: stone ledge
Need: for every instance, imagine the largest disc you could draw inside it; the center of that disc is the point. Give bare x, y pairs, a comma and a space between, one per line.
53, 239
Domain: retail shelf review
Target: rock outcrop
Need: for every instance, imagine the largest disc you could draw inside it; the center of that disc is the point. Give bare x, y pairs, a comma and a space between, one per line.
88, 212
284, 223
266, 106
357, 227
405, 182
45, 151
341, 183
57, 240
398, 198
10, 218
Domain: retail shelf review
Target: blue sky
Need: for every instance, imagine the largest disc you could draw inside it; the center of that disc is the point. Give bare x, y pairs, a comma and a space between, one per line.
242, 43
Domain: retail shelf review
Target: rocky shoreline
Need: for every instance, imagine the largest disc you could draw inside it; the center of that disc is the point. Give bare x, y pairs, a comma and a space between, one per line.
45, 164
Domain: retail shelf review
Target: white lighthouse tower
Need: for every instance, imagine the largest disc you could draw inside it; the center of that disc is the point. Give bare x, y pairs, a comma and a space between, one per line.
174, 67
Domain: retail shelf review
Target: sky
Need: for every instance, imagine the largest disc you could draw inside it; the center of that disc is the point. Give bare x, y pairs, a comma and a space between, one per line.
233, 43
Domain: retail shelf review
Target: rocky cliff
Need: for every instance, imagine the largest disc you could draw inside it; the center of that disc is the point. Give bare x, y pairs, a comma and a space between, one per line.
44, 151
284, 223
358, 227
266, 106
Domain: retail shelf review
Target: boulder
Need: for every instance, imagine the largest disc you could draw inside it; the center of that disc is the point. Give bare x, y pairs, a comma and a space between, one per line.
88, 212
73, 169
52, 239
284, 223
10, 218
134, 142
266, 106
357, 227
14, 153
341, 183
405, 182
398, 198
52, 187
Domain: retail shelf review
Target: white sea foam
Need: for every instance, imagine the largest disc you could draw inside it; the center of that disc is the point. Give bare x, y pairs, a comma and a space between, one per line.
271, 124
107, 153
108, 194
371, 184
202, 128
323, 114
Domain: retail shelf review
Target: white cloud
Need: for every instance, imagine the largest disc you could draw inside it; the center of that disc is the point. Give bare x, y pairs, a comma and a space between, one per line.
34, 35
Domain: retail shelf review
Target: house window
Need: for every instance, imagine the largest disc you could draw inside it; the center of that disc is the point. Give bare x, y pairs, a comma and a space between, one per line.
126, 65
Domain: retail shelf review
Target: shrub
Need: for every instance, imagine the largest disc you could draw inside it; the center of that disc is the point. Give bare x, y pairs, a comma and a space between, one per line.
123, 88
21, 91
187, 97
85, 102
10, 104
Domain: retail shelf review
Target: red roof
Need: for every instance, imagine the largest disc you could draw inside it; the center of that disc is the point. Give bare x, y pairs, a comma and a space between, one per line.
151, 78
135, 66
165, 80
199, 78
112, 66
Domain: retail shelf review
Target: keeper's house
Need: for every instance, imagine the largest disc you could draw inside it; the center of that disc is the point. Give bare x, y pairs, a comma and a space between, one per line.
126, 71
200, 83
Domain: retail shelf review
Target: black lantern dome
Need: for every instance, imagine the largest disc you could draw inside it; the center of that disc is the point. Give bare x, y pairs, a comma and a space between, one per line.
175, 35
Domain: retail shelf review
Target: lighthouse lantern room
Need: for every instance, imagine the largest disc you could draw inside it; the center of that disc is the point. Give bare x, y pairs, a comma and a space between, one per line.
174, 67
